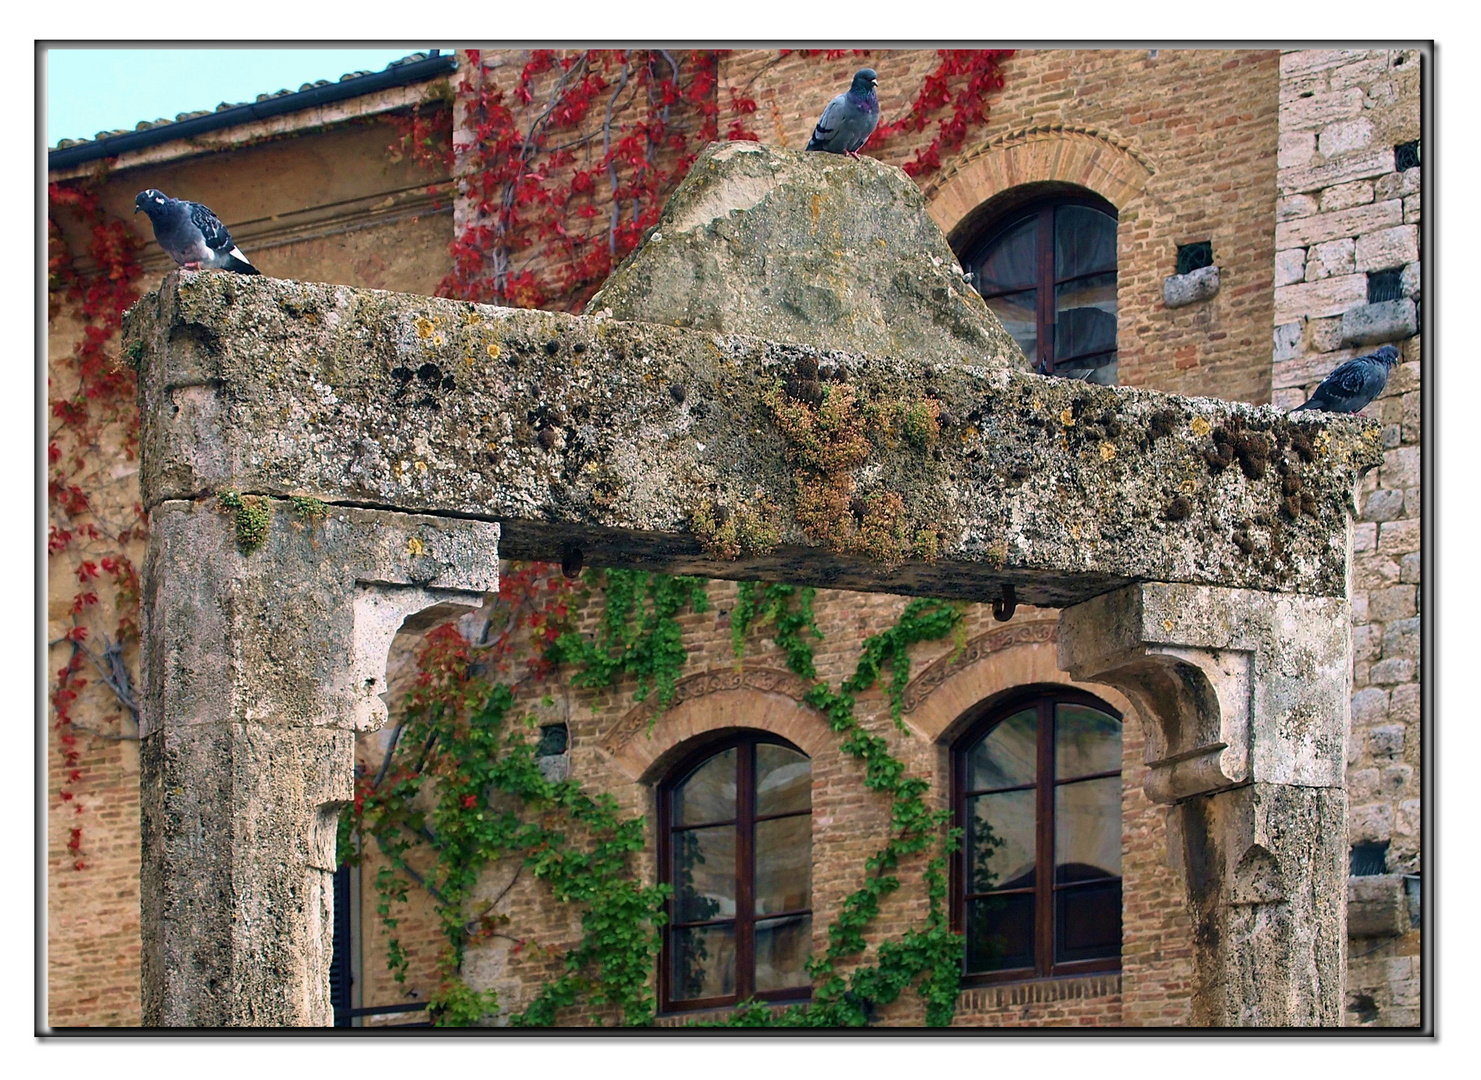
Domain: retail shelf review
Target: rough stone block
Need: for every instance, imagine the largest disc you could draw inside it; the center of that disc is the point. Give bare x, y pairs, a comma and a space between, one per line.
1383, 505
1404, 702
1410, 280
1397, 184
1288, 335
1306, 177
1386, 741
1412, 208
1295, 149
1375, 573
1364, 538
1319, 110
1409, 568
1369, 707
1332, 259
1359, 608
1303, 232
1315, 299
1180, 290
1299, 62
1388, 672
1373, 324
1399, 537
1356, 193
1362, 785
1396, 602
1290, 267
1397, 781
1401, 638
1387, 248
1325, 335
1376, 906
1359, 72
1373, 823
1344, 137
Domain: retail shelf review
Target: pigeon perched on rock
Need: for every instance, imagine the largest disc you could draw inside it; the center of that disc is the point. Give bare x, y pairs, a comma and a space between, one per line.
1354, 384
849, 119
191, 235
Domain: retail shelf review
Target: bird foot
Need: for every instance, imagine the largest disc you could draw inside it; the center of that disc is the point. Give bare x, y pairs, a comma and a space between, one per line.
190, 266
853, 154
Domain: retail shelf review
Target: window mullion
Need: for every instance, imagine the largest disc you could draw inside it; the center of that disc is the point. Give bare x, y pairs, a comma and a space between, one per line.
745, 870
1046, 289
1044, 877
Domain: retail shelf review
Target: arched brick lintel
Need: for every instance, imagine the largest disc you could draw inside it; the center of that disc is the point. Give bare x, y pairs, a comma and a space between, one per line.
645, 757
1058, 154
941, 716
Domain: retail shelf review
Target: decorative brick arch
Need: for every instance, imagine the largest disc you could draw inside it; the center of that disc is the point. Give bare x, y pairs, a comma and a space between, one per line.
1016, 655
722, 699
1054, 154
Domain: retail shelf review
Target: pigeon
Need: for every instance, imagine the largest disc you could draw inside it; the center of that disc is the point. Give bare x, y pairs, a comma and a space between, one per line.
1354, 384
191, 235
849, 119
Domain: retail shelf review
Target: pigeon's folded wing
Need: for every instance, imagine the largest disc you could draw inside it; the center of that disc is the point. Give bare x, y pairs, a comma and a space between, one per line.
828, 123
217, 238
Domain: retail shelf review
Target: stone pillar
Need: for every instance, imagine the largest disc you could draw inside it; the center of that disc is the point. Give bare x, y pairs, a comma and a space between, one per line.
1244, 696
258, 669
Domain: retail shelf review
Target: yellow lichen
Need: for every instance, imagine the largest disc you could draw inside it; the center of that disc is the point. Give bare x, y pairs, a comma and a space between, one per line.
493, 350
424, 326
1067, 417
414, 546
1199, 426
1107, 451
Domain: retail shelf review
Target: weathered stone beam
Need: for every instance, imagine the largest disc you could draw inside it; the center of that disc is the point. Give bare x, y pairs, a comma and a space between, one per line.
258, 668
612, 435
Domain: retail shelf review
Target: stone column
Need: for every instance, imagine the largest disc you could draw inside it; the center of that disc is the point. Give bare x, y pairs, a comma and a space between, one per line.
1244, 695
258, 669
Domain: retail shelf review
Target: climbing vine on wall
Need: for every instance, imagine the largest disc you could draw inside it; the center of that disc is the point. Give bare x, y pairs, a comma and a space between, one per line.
562, 167
93, 419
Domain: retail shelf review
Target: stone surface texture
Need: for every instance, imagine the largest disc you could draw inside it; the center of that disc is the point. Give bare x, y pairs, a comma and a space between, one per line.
257, 670
1180, 290
809, 248
1244, 697
1357, 198
571, 429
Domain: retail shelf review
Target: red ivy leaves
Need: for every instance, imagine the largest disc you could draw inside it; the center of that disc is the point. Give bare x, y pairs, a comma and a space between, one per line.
983, 74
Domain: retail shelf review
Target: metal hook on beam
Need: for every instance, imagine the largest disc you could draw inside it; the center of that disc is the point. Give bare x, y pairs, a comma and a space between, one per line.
1004, 606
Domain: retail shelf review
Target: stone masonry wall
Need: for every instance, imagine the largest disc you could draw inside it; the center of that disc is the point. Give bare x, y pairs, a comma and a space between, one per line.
1347, 212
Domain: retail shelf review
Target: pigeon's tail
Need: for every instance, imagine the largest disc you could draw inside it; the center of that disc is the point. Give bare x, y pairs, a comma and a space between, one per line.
236, 262
1304, 405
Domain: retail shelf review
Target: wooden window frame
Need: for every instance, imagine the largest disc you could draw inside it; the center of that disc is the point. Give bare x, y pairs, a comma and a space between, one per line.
745, 917
1045, 281
1044, 698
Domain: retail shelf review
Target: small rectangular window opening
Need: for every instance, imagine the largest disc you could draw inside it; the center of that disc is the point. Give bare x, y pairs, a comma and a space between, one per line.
1368, 859
1195, 256
1406, 155
553, 740
1385, 285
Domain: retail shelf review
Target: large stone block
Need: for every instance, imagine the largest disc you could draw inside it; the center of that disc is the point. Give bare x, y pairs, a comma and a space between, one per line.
1373, 324
1387, 249
1376, 906
614, 436
1303, 232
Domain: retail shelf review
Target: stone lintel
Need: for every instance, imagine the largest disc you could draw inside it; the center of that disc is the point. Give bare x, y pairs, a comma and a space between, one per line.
613, 435
258, 668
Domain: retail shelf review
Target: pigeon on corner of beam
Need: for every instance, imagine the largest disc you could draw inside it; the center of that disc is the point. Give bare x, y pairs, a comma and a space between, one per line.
1352, 385
190, 234
849, 119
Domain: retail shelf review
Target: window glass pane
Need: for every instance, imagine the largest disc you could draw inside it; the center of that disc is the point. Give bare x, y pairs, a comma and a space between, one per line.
1087, 923
1000, 932
1013, 260
1084, 241
783, 864
783, 780
1019, 314
1087, 829
1084, 316
704, 874
1000, 840
1007, 755
782, 949
703, 962
1086, 741
708, 793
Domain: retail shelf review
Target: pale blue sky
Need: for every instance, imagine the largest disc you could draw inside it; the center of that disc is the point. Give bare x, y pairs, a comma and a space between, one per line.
93, 90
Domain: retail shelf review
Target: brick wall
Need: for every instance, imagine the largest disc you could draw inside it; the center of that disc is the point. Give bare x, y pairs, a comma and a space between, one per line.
1182, 141
1347, 211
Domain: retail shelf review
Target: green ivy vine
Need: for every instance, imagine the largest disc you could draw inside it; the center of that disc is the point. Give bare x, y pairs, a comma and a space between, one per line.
457, 732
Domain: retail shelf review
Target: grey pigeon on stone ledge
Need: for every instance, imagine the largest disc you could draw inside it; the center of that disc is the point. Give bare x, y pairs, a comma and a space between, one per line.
1354, 384
191, 235
849, 119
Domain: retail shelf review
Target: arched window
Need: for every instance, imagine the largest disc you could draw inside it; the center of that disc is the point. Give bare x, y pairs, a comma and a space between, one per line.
735, 827
1047, 269
1037, 782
